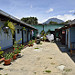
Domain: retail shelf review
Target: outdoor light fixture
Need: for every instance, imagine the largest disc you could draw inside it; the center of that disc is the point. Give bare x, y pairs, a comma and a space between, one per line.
5, 29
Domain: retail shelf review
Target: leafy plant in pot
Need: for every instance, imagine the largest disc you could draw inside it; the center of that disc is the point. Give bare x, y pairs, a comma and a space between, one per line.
16, 51
21, 47
7, 58
44, 38
8, 26
30, 43
1, 52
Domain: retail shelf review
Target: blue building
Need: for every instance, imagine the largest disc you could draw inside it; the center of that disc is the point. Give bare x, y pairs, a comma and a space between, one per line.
66, 34
7, 41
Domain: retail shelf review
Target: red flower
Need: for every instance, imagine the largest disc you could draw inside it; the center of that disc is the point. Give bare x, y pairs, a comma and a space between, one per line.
14, 48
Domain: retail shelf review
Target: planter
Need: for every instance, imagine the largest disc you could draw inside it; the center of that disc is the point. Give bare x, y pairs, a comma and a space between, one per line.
2, 59
14, 57
7, 61
30, 45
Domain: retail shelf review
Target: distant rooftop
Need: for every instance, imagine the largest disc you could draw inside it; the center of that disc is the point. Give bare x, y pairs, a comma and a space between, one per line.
72, 22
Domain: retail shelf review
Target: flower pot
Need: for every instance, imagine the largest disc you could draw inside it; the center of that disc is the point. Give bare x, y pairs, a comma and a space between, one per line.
7, 61
14, 57
31, 45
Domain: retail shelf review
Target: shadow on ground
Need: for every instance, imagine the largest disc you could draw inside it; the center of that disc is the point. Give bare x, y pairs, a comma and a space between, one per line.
64, 49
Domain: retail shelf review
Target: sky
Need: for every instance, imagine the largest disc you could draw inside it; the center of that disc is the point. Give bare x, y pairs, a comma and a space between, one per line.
42, 9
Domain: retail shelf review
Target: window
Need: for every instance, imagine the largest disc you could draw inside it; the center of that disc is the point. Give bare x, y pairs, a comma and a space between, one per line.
18, 31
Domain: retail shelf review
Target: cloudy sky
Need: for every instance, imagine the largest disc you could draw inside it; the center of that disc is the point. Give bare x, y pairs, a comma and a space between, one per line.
42, 9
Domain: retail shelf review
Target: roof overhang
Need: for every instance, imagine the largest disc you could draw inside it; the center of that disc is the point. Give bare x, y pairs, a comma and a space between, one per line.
6, 16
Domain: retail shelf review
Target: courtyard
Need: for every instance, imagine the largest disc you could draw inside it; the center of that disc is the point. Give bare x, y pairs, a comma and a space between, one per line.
42, 59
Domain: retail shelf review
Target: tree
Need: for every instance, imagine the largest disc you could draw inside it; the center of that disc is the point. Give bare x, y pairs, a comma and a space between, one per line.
48, 32
67, 21
30, 20
42, 32
52, 22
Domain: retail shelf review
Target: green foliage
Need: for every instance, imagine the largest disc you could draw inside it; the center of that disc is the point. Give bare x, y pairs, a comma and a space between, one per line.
16, 50
37, 48
30, 20
52, 22
48, 32
1, 52
48, 71
31, 42
44, 38
42, 32
23, 28
8, 56
10, 25
0, 48
16, 45
21, 47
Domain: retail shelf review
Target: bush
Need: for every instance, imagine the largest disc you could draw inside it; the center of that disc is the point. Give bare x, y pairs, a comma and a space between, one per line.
42, 33
44, 38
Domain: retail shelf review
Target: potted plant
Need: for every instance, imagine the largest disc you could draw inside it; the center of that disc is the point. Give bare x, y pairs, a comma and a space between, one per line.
7, 58
16, 51
21, 47
44, 38
30, 43
1, 55
1, 52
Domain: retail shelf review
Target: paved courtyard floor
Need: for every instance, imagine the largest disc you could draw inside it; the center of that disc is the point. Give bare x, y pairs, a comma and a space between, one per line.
46, 59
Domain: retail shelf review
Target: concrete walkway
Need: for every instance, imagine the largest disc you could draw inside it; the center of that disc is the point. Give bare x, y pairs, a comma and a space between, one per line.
47, 60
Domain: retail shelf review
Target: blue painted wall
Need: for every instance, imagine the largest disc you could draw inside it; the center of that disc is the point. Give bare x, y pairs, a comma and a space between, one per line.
18, 36
47, 27
5, 41
73, 34
24, 36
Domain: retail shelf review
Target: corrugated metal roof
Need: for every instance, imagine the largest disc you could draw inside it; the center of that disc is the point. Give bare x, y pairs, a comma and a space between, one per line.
14, 18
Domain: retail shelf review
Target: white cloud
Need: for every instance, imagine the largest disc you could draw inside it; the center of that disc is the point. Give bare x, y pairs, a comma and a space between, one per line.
50, 10
64, 17
72, 11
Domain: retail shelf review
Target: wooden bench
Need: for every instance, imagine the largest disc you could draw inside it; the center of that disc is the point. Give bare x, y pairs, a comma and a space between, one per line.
72, 47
